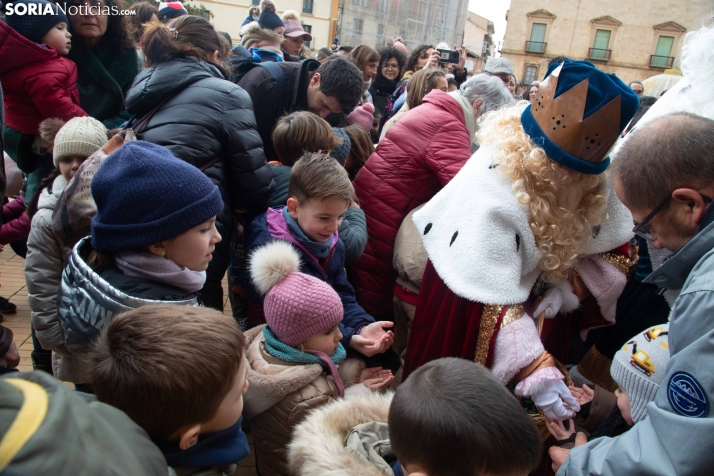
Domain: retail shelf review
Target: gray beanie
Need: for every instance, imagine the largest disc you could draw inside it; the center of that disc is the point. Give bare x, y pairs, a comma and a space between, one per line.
341, 150
81, 136
640, 366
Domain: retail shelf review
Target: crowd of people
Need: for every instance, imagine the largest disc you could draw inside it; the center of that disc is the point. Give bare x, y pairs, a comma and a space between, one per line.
432, 271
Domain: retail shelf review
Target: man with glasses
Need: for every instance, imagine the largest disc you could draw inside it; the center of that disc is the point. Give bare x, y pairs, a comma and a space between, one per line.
664, 174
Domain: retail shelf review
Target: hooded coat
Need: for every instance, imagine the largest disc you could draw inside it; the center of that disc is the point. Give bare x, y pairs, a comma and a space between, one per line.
280, 396
420, 155
322, 444
209, 123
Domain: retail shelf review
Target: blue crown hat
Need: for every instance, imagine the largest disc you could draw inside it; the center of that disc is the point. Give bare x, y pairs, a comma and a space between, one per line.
578, 114
145, 195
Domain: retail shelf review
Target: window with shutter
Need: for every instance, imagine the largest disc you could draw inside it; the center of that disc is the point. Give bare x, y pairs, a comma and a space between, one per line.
602, 41
537, 41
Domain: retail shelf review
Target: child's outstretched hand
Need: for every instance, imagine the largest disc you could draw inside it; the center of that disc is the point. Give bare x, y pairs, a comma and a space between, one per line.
582, 395
376, 379
373, 339
557, 429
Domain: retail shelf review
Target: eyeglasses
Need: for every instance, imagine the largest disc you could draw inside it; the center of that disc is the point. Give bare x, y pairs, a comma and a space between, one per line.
641, 228
390, 66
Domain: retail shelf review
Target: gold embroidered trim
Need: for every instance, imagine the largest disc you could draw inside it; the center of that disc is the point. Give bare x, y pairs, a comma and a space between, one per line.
512, 315
489, 318
620, 262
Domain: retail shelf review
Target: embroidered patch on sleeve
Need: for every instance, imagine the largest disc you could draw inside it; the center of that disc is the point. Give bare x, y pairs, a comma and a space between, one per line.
686, 396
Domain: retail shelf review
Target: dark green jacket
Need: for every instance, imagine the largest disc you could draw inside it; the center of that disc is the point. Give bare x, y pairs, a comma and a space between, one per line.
56, 431
105, 75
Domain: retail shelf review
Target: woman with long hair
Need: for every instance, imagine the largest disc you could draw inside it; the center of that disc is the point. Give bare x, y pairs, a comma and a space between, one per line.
421, 84
367, 60
206, 121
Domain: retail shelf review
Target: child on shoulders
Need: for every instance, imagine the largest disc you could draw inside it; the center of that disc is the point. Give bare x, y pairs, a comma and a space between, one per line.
297, 362
320, 193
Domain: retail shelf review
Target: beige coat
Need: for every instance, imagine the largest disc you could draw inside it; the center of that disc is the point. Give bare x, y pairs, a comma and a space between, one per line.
281, 394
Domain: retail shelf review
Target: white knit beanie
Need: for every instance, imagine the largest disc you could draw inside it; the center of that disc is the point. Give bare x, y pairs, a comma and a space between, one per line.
640, 366
81, 136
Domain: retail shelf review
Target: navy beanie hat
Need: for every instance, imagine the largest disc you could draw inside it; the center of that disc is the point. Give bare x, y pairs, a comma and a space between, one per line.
145, 195
578, 114
35, 26
269, 18
341, 151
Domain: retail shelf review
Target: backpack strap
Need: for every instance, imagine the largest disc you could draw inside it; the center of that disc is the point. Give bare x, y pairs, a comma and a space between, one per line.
278, 75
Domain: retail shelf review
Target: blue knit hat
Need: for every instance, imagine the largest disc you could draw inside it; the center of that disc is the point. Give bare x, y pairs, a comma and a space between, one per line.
35, 26
578, 114
145, 195
341, 151
269, 18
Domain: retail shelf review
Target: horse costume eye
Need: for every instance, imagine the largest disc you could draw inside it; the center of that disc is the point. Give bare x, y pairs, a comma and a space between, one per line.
453, 238
427, 228
518, 242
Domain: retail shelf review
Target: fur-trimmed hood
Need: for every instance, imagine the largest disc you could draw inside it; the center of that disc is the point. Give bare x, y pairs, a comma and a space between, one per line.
318, 444
253, 35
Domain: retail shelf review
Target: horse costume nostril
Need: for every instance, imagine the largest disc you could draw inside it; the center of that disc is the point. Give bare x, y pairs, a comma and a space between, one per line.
518, 242
427, 228
453, 238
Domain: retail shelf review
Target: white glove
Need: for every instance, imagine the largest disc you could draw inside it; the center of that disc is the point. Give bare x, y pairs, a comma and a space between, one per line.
550, 397
551, 303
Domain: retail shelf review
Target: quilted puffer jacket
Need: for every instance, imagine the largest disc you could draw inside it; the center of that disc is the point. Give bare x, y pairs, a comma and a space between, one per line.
208, 122
37, 82
87, 301
419, 155
280, 396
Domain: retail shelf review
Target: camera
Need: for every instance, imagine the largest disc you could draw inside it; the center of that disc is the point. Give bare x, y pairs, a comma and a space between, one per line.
448, 56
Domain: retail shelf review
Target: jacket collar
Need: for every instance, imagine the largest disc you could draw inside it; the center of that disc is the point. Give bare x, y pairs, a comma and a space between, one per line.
674, 272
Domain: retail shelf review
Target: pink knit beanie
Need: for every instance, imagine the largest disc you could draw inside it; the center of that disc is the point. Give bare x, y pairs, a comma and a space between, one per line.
297, 306
363, 116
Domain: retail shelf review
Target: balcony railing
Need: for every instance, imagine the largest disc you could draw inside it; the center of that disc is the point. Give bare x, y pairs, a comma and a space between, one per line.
535, 47
599, 54
661, 61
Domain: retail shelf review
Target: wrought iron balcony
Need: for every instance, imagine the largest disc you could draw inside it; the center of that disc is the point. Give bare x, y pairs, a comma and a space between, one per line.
661, 61
599, 54
535, 47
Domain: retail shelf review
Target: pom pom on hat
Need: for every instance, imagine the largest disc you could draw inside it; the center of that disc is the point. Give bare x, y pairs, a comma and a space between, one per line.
363, 116
341, 151
293, 27
80, 136
640, 366
269, 19
145, 195
35, 27
297, 306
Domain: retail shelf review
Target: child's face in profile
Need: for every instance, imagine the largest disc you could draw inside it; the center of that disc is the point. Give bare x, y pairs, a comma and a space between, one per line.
230, 409
326, 342
58, 38
318, 219
192, 249
623, 403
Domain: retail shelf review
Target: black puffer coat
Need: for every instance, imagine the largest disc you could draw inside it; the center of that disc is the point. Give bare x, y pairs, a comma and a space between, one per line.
209, 123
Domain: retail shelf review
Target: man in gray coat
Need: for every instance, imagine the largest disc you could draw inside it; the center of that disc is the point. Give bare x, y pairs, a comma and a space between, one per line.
665, 176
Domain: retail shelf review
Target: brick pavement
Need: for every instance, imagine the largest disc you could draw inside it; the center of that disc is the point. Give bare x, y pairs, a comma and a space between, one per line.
13, 287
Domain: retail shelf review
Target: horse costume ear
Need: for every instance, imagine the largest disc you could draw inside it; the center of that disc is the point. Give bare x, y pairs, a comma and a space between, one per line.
485, 252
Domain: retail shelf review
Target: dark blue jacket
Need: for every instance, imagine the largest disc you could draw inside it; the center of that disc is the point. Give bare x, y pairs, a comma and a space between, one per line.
257, 234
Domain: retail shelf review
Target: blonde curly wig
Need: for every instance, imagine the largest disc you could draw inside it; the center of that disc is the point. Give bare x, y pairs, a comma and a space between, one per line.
564, 205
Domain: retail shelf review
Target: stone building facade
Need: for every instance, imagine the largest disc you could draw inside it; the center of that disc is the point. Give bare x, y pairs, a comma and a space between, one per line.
478, 39
319, 17
377, 22
633, 39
